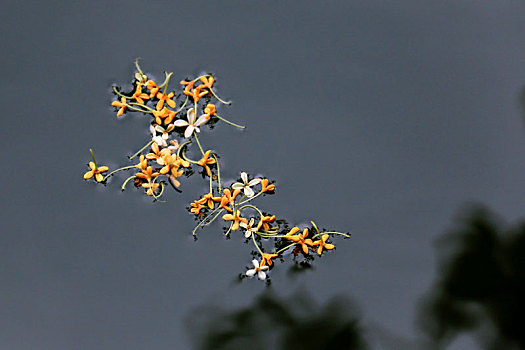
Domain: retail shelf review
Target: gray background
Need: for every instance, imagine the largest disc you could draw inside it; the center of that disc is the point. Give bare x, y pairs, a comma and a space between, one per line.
381, 118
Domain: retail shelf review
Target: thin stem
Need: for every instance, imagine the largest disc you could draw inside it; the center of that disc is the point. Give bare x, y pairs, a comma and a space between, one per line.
180, 148
142, 149
250, 198
282, 250
183, 105
137, 109
211, 187
218, 172
256, 245
138, 67
151, 110
119, 93
218, 98
168, 76
166, 79
93, 156
187, 159
114, 171
229, 122
198, 142
126, 182
253, 207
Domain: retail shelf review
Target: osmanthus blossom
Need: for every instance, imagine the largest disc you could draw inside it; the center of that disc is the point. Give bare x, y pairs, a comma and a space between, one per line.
259, 270
206, 161
245, 185
299, 238
249, 227
162, 139
122, 105
322, 244
95, 171
236, 218
192, 124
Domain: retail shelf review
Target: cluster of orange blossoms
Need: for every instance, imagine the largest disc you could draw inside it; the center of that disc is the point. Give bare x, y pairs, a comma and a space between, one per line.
162, 161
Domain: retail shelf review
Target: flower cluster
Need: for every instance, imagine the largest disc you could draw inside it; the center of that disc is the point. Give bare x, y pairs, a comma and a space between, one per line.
163, 160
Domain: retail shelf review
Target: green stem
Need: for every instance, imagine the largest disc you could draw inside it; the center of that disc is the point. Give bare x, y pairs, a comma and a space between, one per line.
114, 171
182, 146
218, 172
198, 142
142, 149
218, 98
183, 105
120, 94
93, 156
229, 122
126, 182
150, 110
256, 245
138, 67
282, 250
187, 159
166, 80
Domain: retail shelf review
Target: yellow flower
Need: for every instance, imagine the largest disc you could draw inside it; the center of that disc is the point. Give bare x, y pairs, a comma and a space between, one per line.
236, 218
196, 208
205, 161
122, 106
322, 244
158, 154
96, 171
147, 174
207, 82
209, 199
143, 163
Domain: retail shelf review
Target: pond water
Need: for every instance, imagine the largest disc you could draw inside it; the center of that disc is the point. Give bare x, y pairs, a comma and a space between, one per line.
388, 120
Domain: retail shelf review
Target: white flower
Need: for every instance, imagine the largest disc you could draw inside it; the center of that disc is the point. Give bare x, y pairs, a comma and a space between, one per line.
161, 139
249, 228
245, 185
191, 124
256, 269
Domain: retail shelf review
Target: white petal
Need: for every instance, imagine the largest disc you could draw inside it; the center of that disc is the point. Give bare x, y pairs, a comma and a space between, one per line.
244, 177
248, 192
250, 273
189, 131
263, 268
170, 128
261, 275
159, 128
152, 130
237, 186
197, 129
191, 115
248, 234
254, 182
203, 119
255, 263
243, 225
181, 122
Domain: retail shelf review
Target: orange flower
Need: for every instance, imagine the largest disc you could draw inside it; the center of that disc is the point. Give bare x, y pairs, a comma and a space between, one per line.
172, 164
299, 238
139, 96
196, 208
147, 174
228, 199
236, 218
122, 106
153, 88
165, 98
267, 258
264, 222
207, 82
143, 163
209, 199
210, 110
95, 171
165, 114
158, 154
265, 187
205, 161
151, 186
322, 244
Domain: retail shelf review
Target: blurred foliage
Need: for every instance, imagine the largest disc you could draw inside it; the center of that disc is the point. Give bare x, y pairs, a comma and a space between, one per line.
275, 323
480, 285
